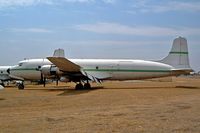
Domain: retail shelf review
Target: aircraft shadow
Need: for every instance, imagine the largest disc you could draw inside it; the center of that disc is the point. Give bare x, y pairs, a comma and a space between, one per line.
68, 92
187, 87
154, 87
2, 99
57, 88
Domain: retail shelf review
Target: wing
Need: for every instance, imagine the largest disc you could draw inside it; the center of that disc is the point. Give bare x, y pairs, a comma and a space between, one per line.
64, 64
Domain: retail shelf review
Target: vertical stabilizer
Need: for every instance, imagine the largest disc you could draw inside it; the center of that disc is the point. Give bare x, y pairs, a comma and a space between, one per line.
59, 53
178, 56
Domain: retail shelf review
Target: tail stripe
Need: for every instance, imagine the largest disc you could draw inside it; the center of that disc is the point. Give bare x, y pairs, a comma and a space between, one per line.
178, 52
178, 56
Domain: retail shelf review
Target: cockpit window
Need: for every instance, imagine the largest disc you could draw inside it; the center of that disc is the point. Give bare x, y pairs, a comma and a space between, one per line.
20, 64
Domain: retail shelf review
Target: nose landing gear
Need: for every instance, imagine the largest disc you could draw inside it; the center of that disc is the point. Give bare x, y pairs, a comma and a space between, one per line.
21, 86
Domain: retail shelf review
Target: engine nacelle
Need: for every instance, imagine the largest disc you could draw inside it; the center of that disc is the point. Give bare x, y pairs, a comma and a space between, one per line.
50, 71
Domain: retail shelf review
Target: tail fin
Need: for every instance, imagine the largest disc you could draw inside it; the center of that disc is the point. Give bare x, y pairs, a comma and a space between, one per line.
59, 53
178, 56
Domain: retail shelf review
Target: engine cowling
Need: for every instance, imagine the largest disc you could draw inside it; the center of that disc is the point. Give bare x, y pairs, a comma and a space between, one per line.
50, 71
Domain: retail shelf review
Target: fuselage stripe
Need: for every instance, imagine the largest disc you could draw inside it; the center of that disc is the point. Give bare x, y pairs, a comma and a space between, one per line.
124, 70
103, 70
24, 69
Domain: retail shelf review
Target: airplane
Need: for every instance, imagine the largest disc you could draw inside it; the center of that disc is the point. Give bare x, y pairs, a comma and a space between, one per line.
4, 75
97, 70
35, 70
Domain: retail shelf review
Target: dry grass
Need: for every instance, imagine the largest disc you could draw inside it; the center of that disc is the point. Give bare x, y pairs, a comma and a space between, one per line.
125, 107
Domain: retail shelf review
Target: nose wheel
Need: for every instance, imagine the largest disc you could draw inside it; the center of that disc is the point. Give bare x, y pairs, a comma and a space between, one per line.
21, 86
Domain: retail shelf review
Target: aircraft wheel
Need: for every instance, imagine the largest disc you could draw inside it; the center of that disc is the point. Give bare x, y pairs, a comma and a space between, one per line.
87, 86
21, 86
79, 86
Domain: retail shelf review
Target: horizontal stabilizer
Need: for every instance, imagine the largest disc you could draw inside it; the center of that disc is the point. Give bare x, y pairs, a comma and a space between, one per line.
181, 71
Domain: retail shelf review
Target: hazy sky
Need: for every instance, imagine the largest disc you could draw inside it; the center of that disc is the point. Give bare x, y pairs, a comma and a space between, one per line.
130, 29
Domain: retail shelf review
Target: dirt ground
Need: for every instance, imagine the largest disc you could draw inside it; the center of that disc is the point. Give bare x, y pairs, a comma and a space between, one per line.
126, 107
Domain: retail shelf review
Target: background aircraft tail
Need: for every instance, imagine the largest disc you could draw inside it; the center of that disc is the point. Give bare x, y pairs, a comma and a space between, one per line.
59, 53
178, 56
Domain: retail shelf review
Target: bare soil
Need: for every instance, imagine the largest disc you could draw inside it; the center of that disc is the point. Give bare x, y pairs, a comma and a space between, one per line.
125, 107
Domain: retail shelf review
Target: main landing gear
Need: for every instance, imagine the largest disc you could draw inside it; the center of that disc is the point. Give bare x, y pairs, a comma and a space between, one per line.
80, 86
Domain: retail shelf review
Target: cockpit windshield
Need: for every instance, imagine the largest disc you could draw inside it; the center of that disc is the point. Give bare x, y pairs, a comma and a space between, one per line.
20, 64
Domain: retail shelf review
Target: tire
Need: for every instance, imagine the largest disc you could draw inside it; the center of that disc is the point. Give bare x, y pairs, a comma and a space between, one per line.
21, 87
79, 86
87, 86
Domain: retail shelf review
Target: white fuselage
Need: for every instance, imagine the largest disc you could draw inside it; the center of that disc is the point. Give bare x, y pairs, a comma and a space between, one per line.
114, 69
29, 69
125, 69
